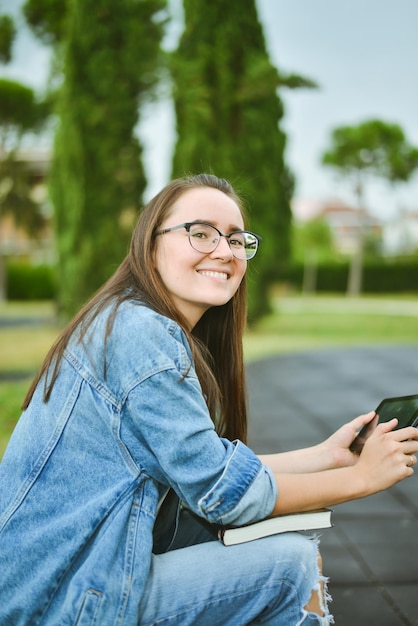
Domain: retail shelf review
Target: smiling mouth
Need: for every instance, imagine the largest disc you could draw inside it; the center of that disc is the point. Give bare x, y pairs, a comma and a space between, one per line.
221, 275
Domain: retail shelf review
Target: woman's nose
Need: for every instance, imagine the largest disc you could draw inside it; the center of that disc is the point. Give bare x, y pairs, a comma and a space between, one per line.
223, 249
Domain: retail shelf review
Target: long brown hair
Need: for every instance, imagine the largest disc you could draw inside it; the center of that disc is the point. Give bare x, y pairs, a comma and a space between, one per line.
216, 340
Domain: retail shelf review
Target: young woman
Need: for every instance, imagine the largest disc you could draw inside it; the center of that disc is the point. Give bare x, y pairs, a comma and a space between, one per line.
144, 392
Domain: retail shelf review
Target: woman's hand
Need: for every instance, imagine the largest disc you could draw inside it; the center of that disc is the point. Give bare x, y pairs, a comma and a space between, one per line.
329, 473
333, 453
388, 455
337, 446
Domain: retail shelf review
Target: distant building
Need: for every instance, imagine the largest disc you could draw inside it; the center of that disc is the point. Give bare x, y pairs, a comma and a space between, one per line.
344, 222
401, 235
14, 240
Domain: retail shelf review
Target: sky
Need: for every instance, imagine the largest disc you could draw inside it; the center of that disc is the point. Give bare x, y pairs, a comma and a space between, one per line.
364, 56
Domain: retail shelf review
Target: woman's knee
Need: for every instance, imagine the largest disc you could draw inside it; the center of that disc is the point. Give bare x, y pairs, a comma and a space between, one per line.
298, 560
319, 561
299, 566
316, 602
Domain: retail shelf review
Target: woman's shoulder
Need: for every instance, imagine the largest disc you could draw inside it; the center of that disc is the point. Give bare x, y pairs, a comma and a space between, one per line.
129, 343
132, 314
138, 327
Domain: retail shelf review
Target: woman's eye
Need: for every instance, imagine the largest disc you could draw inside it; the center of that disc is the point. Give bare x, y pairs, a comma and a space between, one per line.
200, 234
236, 243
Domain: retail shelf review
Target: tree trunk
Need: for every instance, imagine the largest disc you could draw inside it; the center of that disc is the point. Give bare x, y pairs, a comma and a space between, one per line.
355, 276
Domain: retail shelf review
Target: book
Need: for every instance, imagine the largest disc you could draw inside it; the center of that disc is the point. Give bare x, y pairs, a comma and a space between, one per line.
310, 520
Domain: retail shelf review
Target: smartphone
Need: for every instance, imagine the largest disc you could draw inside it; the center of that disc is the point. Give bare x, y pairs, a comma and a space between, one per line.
404, 408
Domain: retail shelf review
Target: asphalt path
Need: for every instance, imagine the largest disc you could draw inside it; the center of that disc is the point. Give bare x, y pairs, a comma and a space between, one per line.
371, 553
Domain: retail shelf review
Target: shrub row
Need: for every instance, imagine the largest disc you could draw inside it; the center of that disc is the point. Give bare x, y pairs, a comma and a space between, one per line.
378, 277
27, 282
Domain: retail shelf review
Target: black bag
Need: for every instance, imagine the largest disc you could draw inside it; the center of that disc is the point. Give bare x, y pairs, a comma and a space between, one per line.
177, 527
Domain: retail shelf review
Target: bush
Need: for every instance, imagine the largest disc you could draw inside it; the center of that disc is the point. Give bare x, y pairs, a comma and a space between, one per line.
27, 282
397, 276
401, 276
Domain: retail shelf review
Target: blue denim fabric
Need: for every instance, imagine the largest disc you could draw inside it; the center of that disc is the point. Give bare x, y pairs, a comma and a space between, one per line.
265, 582
82, 475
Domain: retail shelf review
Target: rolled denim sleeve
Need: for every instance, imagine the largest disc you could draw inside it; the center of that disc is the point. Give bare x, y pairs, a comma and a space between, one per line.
166, 426
175, 443
245, 492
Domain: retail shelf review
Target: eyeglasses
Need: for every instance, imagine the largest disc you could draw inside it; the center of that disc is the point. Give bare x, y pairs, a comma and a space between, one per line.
205, 238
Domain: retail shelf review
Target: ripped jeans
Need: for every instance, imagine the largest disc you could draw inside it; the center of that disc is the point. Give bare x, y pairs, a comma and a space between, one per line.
201, 582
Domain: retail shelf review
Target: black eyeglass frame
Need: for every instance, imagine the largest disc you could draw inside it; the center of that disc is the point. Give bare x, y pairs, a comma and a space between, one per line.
188, 225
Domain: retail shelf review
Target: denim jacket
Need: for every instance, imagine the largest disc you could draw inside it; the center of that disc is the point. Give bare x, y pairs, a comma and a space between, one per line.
83, 473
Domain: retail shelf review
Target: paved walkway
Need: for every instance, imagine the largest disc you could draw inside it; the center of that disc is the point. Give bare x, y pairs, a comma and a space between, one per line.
371, 553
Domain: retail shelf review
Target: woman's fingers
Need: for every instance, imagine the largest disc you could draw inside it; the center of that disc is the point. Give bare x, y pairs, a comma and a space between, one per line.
362, 420
411, 459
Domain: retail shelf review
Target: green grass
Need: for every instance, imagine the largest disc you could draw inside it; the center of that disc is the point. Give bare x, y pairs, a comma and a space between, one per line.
11, 397
21, 351
23, 348
298, 323
314, 323
20, 310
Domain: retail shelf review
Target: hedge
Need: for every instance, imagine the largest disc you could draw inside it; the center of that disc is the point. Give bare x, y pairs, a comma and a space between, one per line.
27, 282
378, 277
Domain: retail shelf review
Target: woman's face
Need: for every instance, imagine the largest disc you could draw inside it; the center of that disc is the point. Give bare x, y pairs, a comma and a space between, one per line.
196, 280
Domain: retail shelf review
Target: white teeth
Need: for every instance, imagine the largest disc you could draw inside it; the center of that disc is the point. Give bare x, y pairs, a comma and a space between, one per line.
215, 274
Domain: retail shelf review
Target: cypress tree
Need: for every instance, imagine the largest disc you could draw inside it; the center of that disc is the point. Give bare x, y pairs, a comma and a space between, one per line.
111, 53
228, 115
